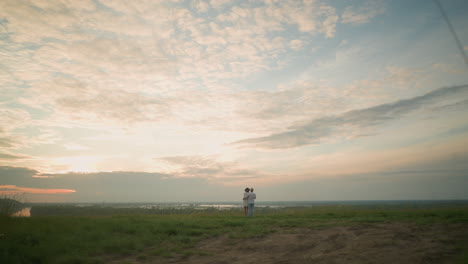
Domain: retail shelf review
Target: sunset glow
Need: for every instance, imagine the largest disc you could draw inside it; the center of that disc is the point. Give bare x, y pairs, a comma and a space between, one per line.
194, 100
11, 189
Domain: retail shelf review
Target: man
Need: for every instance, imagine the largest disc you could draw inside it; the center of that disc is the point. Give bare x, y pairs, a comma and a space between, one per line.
251, 201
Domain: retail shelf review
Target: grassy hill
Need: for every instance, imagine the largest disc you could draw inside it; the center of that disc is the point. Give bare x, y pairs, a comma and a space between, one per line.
182, 238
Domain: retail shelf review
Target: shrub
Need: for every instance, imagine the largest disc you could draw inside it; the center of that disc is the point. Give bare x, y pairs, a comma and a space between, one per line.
9, 204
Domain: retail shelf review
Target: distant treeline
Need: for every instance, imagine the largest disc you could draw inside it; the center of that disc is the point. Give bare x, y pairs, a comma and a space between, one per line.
109, 210
99, 210
9, 206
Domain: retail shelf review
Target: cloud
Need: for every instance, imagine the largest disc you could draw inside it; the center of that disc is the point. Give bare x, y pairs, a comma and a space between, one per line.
300, 100
200, 6
353, 122
363, 13
262, 111
209, 168
77, 100
75, 147
329, 24
218, 4
12, 119
16, 175
296, 44
448, 68
6, 156
118, 186
8, 142
124, 63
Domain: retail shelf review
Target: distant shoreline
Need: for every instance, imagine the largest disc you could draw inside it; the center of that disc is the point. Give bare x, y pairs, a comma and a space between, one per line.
268, 202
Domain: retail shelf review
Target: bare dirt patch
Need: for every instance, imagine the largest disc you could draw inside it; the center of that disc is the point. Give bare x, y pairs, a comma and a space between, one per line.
360, 243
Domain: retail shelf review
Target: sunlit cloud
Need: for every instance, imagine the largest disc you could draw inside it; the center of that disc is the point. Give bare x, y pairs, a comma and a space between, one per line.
211, 169
6, 156
79, 164
296, 44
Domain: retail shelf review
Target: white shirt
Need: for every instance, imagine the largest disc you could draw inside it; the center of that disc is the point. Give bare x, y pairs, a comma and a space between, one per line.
252, 197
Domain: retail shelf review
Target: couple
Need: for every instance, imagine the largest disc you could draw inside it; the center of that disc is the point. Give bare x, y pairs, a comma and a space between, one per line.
249, 201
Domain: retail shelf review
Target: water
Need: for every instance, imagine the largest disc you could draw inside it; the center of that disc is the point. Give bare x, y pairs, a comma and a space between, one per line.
226, 205
25, 212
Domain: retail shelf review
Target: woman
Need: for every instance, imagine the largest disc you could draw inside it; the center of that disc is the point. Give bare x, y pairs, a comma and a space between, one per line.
245, 200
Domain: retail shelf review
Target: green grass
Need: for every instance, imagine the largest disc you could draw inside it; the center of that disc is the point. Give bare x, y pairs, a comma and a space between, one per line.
95, 239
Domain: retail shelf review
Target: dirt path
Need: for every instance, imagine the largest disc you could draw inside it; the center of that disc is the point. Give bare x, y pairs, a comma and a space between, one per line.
363, 243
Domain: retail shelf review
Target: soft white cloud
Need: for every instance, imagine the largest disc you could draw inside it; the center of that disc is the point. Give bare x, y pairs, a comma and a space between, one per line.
146, 61
11, 156
269, 110
63, 5
75, 147
218, 4
77, 100
448, 68
149, 46
329, 24
295, 44
294, 102
211, 169
200, 6
12, 119
38, 20
363, 13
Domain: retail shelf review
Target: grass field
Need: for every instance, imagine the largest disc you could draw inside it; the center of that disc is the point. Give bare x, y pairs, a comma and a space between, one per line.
102, 238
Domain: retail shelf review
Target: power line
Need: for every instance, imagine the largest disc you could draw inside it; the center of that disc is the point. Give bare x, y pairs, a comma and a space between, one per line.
454, 34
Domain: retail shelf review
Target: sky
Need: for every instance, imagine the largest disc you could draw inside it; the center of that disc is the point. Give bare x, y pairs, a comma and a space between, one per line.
171, 101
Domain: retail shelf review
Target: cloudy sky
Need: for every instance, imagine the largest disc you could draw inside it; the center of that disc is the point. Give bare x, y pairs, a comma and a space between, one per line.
124, 101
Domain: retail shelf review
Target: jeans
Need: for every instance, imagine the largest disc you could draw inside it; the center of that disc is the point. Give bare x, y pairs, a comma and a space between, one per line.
251, 209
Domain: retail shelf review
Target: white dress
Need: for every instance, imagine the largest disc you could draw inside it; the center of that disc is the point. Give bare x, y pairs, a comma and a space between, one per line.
246, 196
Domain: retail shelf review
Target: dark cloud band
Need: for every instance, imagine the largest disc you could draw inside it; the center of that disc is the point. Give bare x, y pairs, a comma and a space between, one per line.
314, 131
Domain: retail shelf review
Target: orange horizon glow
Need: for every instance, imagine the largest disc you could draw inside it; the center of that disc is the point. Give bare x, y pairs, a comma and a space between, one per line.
13, 189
